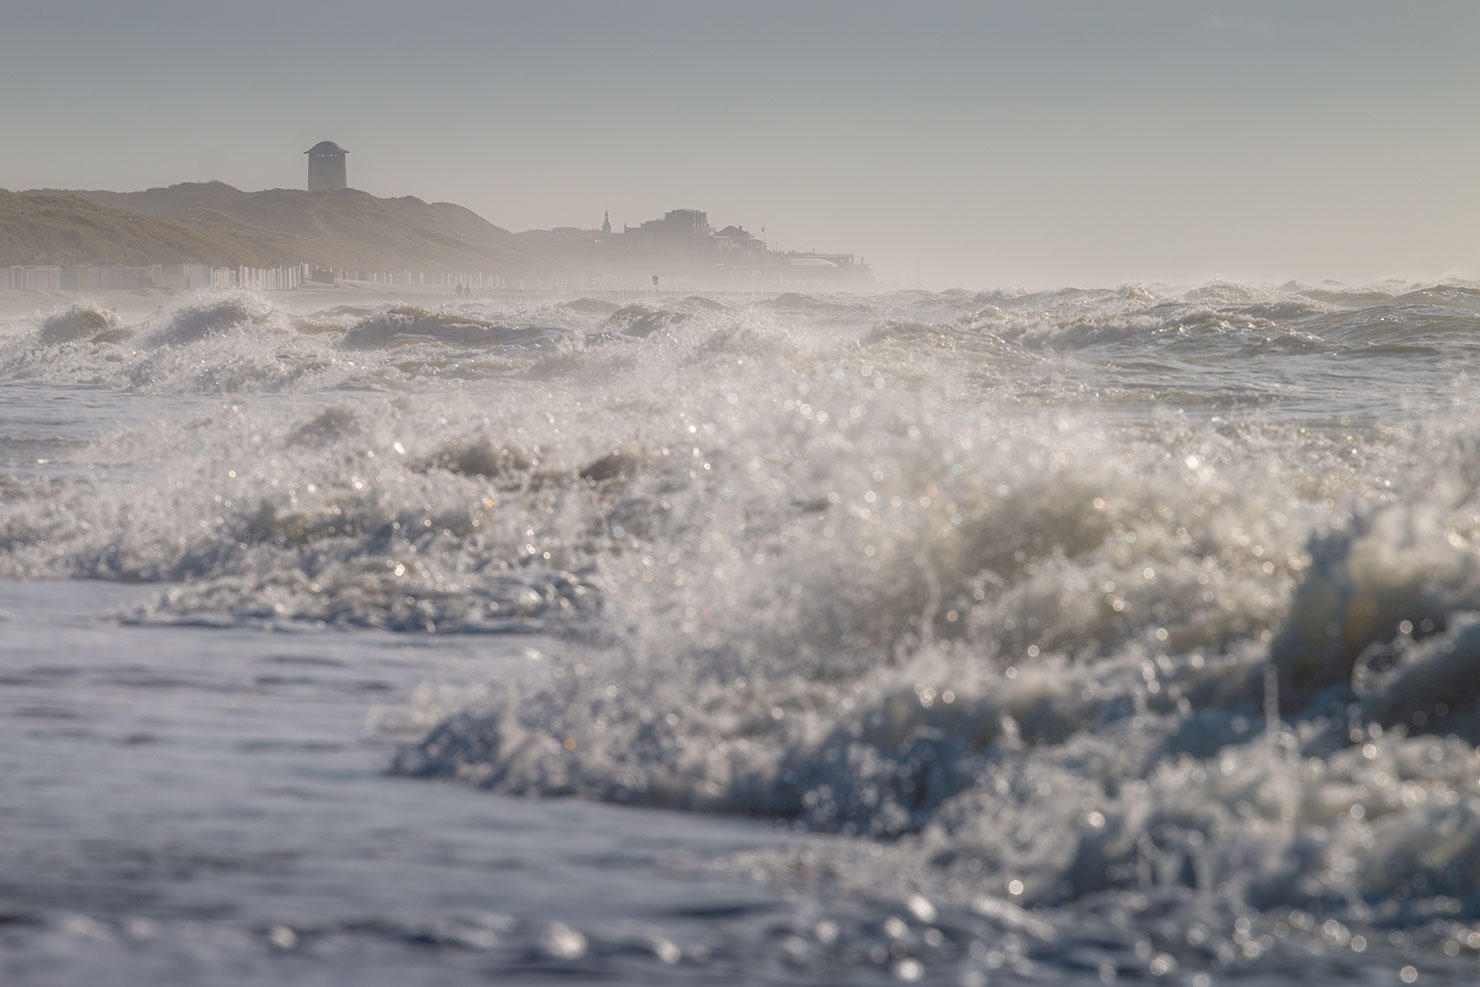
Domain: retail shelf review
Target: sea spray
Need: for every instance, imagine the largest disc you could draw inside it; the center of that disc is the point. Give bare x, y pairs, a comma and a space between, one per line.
1132, 628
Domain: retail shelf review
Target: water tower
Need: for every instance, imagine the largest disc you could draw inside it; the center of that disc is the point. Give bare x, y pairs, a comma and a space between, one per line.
326, 167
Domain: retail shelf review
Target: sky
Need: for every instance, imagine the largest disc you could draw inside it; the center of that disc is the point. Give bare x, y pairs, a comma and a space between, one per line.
976, 144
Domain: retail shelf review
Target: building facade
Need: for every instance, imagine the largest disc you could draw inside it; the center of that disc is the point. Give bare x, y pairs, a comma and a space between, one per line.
326, 167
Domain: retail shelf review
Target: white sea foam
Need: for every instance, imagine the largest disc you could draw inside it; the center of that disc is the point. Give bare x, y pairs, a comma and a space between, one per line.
80, 321
1134, 609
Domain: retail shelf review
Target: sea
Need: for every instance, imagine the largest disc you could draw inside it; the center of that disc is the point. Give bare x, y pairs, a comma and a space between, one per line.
1069, 637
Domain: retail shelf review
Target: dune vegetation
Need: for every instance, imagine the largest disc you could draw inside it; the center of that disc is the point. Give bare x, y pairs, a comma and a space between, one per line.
214, 223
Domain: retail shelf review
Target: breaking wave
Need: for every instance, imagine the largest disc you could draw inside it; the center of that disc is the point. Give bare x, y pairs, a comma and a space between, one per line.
82, 321
1137, 608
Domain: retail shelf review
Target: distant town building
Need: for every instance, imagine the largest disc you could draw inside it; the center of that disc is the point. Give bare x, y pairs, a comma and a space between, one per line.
735, 238
326, 167
676, 226
684, 249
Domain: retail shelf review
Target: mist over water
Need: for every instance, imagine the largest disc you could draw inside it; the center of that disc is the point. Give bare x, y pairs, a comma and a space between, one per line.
967, 638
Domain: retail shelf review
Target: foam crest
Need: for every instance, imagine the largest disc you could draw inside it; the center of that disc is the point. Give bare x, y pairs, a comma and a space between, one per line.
217, 315
211, 343
1389, 572
406, 324
642, 320
82, 321
1035, 651
989, 572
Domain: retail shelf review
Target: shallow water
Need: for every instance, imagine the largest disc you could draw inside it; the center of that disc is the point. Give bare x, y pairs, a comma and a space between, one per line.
212, 807
962, 638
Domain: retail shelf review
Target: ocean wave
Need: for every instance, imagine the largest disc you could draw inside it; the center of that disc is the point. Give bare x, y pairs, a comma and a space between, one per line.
217, 315
641, 320
591, 306
815, 305
405, 324
82, 321
1141, 609
1173, 674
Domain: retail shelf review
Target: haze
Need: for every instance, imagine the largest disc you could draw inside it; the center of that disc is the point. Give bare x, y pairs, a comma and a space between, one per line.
978, 144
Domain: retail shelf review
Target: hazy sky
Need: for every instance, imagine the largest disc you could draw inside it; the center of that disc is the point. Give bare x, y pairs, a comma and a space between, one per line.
986, 143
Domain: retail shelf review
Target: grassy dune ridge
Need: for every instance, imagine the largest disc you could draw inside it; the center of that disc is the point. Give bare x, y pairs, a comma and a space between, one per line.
214, 223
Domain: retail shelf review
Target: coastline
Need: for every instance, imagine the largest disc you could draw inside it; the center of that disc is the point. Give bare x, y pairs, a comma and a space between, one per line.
15, 304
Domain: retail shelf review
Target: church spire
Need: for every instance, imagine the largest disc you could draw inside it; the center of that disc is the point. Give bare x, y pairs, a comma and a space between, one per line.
606, 221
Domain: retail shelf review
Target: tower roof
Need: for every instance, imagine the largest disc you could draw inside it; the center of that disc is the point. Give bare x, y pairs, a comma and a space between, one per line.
326, 147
